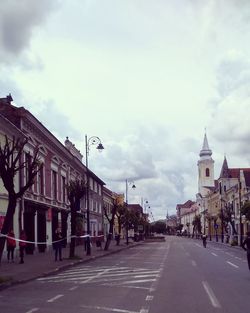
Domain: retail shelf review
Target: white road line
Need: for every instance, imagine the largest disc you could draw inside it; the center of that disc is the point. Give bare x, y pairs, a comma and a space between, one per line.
149, 298
211, 295
214, 254
103, 308
138, 281
54, 298
143, 310
194, 263
143, 276
73, 288
32, 310
236, 266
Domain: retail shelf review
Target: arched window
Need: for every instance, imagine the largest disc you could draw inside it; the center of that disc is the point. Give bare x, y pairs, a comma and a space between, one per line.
207, 172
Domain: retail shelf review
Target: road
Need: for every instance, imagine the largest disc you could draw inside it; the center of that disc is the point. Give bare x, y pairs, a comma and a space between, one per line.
175, 276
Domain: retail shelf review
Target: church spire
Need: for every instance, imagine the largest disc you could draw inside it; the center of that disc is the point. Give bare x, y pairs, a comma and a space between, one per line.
224, 173
205, 151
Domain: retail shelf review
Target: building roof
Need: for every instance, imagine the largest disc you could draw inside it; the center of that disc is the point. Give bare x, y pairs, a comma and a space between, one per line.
135, 207
16, 114
185, 205
205, 151
247, 178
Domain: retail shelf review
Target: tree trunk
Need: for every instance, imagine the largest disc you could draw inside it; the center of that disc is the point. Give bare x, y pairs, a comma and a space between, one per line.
110, 235
233, 228
20, 215
73, 233
7, 224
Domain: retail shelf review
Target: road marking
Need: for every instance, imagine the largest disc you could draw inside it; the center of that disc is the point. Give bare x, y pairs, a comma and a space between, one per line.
149, 275
138, 281
73, 288
211, 295
103, 308
214, 254
143, 310
149, 298
55, 298
194, 263
32, 310
236, 266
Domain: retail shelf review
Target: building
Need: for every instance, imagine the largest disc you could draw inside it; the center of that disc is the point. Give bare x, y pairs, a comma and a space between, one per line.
45, 206
9, 130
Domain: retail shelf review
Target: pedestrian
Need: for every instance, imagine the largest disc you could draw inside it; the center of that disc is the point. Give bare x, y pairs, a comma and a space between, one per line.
246, 247
204, 240
22, 245
11, 245
58, 244
85, 240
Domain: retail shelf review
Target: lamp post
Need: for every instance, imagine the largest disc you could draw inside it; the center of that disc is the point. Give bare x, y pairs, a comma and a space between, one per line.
241, 228
133, 187
146, 206
89, 142
222, 220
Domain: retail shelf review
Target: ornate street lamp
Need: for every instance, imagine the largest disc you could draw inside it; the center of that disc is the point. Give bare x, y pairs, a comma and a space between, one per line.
133, 187
241, 225
89, 142
146, 205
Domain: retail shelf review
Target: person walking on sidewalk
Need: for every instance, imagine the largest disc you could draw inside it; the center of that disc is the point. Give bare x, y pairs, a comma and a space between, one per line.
204, 240
58, 244
11, 245
246, 247
22, 245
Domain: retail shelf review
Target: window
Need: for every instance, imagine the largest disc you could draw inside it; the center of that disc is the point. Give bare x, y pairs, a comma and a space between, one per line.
28, 160
27, 166
63, 189
207, 172
54, 185
40, 181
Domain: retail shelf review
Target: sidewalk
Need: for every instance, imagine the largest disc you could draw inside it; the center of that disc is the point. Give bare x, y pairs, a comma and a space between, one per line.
42, 264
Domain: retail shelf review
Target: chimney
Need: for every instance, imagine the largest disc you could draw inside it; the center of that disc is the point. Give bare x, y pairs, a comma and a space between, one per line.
6, 100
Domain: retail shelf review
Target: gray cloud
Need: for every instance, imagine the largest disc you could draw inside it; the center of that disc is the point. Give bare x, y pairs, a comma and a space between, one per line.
232, 111
232, 73
17, 22
58, 123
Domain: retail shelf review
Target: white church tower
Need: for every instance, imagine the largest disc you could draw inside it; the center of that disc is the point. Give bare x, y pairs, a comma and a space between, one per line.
205, 169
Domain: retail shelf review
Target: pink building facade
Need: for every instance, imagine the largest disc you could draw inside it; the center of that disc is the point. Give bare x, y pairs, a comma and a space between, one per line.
45, 206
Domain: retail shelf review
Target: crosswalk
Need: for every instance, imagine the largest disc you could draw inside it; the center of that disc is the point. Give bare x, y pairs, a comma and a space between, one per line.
109, 275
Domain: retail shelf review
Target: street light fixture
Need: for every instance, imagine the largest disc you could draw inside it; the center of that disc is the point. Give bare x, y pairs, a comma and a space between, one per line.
145, 205
133, 187
241, 225
94, 140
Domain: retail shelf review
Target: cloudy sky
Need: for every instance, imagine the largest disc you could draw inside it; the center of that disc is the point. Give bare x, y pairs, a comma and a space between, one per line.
146, 76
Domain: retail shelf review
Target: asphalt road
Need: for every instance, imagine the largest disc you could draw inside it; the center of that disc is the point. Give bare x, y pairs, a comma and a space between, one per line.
175, 276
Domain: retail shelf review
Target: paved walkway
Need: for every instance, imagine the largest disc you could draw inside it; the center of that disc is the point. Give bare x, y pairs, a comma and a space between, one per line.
42, 264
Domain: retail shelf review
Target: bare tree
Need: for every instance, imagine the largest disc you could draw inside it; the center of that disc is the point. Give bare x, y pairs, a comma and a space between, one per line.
12, 162
76, 190
111, 218
245, 210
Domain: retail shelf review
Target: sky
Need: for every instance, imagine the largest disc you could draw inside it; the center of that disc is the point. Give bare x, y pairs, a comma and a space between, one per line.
148, 77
